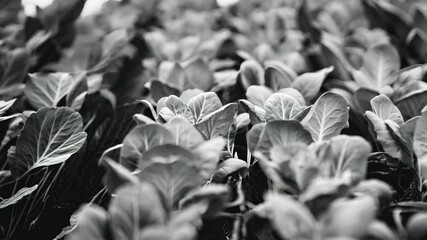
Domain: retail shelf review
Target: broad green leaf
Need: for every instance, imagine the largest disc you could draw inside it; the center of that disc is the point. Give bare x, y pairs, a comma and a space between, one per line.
294, 93
254, 135
189, 94
251, 73
5, 105
92, 223
289, 218
349, 217
116, 175
309, 84
21, 193
277, 78
228, 167
281, 133
420, 136
258, 94
412, 105
14, 67
327, 117
134, 207
384, 108
50, 136
173, 180
380, 64
204, 104
186, 135
295, 162
282, 106
141, 139
363, 97
256, 114
172, 73
77, 93
166, 153
169, 232
349, 155
159, 89
171, 107
207, 155
219, 122
198, 74
383, 136
46, 90
215, 194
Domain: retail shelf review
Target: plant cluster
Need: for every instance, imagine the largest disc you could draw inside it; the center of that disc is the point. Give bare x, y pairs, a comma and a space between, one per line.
264, 119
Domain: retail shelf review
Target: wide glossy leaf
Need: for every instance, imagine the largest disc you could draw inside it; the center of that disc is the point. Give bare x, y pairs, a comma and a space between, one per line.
383, 136
204, 104
21, 193
219, 122
349, 155
282, 106
116, 175
294, 93
281, 133
77, 93
228, 167
186, 135
189, 94
159, 89
309, 84
349, 217
172, 73
384, 108
251, 73
174, 232
420, 136
256, 114
140, 140
207, 156
172, 180
14, 67
327, 117
277, 78
380, 63
412, 105
92, 223
134, 207
166, 153
50, 136
5, 105
198, 74
215, 194
46, 90
289, 218
172, 106
254, 135
258, 94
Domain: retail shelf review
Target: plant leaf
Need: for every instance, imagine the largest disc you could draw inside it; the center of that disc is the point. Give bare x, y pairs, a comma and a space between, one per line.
290, 219
309, 84
203, 105
46, 90
173, 180
141, 139
281, 133
282, 106
380, 63
257, 95
327, 117
116, 175
23, 192
134, 207
219, 122
228, 167
50, 136
412, 105
384, 108
251, 73
171, 107
92, 223
208, 154
420, 136
186, 135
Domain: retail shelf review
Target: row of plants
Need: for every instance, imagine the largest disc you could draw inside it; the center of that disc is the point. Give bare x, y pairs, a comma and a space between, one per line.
186, 120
